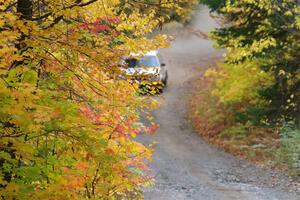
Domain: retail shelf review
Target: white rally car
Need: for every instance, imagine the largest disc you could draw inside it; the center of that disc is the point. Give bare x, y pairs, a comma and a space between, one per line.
147, 65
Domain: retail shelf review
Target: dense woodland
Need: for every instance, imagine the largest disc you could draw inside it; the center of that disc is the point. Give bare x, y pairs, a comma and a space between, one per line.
261, 37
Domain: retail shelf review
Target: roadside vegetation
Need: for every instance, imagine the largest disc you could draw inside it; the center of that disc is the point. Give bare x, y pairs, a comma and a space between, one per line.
66, 122
249, 103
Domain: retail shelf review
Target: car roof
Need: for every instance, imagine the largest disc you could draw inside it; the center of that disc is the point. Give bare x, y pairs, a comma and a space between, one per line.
149, 53
152, 53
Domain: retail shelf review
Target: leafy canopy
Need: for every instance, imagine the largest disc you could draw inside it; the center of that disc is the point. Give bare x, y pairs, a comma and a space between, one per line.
66, 122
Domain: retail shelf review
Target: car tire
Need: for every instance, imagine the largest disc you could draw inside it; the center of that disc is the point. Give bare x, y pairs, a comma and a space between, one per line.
165, 80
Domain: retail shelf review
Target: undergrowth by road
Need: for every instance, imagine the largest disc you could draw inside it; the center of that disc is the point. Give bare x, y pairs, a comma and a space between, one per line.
263, 146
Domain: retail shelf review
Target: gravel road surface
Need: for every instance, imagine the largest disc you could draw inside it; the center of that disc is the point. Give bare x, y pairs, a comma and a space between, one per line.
184, 166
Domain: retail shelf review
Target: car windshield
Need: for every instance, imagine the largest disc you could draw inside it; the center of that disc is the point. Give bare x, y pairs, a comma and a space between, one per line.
147, 61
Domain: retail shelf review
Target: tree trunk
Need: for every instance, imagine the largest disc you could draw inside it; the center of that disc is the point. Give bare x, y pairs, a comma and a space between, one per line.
24, 8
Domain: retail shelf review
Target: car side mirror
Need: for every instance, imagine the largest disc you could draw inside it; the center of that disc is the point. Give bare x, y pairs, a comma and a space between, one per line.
163, 64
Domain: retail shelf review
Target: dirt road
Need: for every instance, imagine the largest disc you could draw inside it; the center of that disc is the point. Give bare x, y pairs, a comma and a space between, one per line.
185, 167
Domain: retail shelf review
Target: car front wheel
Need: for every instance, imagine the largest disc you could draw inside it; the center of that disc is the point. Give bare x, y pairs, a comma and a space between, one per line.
165, 80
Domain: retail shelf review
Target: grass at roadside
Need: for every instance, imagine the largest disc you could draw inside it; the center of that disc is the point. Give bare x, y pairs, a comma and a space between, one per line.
216, 123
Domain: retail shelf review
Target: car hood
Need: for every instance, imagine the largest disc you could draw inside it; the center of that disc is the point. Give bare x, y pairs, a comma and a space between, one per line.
142, 71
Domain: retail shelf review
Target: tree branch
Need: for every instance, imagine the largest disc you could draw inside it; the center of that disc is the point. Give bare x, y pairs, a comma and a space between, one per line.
67, 7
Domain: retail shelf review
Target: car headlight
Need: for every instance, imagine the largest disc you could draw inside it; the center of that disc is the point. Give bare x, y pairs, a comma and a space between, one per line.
155, 77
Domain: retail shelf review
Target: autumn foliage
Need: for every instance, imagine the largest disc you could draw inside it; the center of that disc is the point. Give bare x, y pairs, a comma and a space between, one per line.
66, 123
